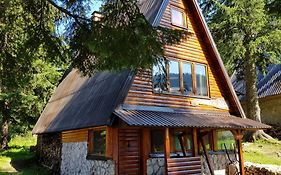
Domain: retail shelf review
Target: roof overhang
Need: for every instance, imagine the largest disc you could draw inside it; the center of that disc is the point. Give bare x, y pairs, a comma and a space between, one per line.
191, 119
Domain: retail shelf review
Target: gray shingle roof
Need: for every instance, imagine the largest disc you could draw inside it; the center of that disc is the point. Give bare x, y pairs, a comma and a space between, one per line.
268, 85
81, 102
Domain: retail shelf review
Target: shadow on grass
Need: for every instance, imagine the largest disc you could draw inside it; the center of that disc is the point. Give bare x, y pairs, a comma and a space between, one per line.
23, 161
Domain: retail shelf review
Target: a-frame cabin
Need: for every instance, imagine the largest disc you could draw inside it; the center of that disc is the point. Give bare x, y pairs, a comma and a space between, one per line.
143, 123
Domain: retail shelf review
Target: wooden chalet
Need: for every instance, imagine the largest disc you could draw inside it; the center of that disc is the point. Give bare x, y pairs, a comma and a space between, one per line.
146, 123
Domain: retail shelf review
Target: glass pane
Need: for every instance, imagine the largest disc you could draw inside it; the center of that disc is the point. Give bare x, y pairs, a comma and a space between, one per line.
174, 77
178, 17
187, 141
206, 140
225, 137
99, 142
157, 141
201, 80
159, 77
177, 142
187, 78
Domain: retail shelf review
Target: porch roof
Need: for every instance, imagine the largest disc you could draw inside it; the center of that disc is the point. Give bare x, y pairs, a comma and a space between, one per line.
194, 119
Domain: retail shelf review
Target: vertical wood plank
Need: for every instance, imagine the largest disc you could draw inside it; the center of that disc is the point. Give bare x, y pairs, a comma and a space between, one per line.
195, 143
167, 147
109, 140
115, 146
146, 148
240, 152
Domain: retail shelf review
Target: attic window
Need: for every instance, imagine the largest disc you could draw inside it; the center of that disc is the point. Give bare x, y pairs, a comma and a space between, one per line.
178, 17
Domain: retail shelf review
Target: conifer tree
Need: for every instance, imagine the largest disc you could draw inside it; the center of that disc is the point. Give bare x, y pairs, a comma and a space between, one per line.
248, 36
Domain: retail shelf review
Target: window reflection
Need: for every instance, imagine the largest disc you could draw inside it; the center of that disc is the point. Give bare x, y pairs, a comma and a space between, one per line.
201, 80
174, 76
187, 78
159, 77
99, 142
157, 141
178, 17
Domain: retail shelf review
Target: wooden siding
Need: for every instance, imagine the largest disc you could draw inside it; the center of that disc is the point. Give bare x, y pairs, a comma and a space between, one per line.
191, 49
80, 135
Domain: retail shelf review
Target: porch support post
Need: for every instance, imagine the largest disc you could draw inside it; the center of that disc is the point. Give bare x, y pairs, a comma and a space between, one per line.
167, 148
238, 138
195, 143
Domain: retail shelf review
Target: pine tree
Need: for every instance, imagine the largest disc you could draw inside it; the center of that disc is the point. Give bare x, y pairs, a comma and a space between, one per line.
248, 35
24, 40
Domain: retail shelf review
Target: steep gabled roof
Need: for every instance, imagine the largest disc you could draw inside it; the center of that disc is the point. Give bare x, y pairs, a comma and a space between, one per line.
267, 85
81, 102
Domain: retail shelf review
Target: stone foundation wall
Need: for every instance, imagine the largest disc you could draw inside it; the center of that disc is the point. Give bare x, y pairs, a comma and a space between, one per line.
219, 162
48, 151
155, 166
73, 161
259, 169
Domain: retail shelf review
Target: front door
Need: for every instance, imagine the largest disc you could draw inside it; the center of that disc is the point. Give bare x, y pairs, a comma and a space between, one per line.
129, 152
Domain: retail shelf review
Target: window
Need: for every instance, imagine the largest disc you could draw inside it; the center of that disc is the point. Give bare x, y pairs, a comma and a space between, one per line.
207, 142
183, 78
178, 17
225, 137
174, 77
159, 77
97, 143
201, 80
157, 141
185, 138
187, 78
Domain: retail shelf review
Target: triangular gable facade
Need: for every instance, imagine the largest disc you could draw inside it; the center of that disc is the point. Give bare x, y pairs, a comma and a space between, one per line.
198, 48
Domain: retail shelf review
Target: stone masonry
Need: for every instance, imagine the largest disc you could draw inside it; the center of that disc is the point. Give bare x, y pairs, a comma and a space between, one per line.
73, 161
155, 166
260, 169
219, 162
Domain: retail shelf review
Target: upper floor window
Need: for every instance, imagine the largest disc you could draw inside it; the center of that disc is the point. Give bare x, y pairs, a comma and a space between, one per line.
178, 17
201, 80
174, 76
184, 78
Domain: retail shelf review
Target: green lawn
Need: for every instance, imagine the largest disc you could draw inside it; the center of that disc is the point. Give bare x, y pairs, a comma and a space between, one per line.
263, 152
18, 160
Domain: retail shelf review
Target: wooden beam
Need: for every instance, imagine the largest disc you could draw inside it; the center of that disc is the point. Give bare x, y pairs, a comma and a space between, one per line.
206, 155
195, 143
146, 148
109, 141
238, 138
167, 148
115, 144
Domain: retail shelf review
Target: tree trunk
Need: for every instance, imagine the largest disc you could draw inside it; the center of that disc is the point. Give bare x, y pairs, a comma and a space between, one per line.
253, 110
5, 127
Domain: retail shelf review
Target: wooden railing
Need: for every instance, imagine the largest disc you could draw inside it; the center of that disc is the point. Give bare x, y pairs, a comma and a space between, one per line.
184, 165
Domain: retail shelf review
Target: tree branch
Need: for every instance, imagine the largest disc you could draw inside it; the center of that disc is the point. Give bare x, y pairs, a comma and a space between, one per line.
76, 17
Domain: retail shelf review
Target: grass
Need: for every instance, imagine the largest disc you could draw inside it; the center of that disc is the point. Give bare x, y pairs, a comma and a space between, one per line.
19, 160
263, 152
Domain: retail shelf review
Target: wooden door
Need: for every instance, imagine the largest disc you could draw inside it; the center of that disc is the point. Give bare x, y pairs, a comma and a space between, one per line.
129, 152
